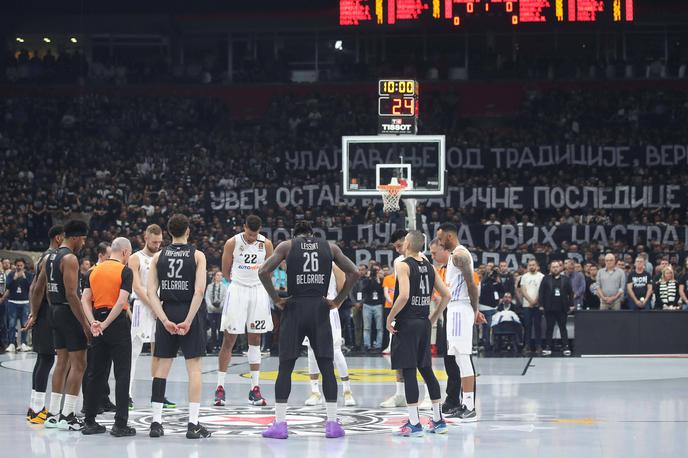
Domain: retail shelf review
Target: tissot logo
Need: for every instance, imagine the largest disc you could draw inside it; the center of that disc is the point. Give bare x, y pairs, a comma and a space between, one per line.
396, 127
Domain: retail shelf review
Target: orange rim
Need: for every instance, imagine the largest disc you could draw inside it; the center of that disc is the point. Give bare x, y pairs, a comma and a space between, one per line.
391, 187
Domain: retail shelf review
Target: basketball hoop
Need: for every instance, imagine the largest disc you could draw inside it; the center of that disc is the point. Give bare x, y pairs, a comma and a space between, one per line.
391, 193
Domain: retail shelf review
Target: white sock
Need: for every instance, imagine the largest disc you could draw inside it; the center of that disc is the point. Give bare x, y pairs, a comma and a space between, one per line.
413, 415
32, 403
135, 352
255, 379
315, 386
436, 412
55, 402
69, 404
157, 412
280, 411
221, 378
331, 409
194, 409
468, 400
427, 392
347, 385
39, 402
400, 389
79, 403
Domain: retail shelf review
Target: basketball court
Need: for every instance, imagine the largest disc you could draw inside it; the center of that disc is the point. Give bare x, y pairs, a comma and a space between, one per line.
591, 407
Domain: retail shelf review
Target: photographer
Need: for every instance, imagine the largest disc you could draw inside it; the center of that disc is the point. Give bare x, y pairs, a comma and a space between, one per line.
373, 303
17, 297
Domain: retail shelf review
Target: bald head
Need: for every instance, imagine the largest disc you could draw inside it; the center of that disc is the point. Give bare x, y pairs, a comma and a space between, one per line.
121, 249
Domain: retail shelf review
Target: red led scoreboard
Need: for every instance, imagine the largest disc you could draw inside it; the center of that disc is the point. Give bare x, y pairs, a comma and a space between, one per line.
458, 12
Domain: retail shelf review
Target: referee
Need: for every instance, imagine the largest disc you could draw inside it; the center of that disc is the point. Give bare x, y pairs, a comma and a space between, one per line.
105, 301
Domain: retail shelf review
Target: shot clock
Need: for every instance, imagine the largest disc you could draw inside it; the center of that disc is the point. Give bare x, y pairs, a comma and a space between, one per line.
397, 107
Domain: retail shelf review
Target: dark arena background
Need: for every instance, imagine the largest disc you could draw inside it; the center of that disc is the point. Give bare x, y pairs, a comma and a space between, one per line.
546, 139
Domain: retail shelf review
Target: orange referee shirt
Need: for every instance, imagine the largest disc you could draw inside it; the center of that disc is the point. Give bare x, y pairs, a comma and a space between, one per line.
389, 282
106, 280
442, 270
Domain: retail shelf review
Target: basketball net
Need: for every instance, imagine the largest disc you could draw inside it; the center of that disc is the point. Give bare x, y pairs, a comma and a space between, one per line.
391, 194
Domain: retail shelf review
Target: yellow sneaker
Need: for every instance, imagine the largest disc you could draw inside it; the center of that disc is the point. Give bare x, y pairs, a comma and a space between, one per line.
38, 418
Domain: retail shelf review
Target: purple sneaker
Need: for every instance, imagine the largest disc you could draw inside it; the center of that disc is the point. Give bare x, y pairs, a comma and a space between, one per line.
333, 429
278, 430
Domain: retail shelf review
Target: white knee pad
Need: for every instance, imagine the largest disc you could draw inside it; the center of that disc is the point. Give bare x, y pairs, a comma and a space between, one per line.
340, 363
465, 365
254, 354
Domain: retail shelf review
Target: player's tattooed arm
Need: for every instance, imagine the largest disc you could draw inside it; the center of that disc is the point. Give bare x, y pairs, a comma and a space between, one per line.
350, 272
265, 272
464, 262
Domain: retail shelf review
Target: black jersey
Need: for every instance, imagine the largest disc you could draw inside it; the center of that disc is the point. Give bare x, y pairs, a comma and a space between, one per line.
309, 266
177, 274
40, 265
421, 284
56, 287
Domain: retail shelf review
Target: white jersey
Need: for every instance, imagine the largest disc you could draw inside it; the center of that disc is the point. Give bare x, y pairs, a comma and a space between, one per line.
454, 277
144, 268
248, 257
332, 288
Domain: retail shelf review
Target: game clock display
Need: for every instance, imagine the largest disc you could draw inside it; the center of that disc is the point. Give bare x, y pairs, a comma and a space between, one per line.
397, 106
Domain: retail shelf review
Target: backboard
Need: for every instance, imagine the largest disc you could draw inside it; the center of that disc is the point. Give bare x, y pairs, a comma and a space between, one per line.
417, 160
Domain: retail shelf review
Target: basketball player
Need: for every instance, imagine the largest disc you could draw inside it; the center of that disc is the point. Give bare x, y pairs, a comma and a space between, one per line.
60, 280
408, 321
306, 314
337, 279
143, 318
462, 314
179, 271
246, 306
42, 337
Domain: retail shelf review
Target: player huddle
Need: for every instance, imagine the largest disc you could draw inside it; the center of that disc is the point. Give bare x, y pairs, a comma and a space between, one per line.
166, 287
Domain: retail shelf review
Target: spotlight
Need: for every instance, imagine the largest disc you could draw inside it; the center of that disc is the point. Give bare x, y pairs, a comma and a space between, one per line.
338, 45
73, 40
46, 39
20, 40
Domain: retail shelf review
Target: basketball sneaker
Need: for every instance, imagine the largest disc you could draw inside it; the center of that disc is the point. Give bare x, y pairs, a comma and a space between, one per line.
567, 352
314, 399
70, 423
278, 430
93, 428
131, 404
393, 401
30, 414
546, 352
122, 431
196, 431
409, 430
255, 398
468, 416
167, 404
219, 396
455, 412
349, 400
38, 418
333, 429
51, 421
437, 427
156, 430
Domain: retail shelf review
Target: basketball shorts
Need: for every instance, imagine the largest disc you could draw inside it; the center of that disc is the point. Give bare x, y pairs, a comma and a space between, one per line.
192, 344
246, 308
411, 344
42, 332
305, 317
336, 325
67, 330
142, 323
460, 320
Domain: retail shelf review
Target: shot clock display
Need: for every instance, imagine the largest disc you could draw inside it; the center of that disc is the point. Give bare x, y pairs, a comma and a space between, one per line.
397, 107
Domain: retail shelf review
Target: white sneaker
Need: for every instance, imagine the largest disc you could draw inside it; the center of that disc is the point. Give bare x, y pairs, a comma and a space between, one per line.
349, 400
11, 348
315, 399
567, 352
24, 347
393, 401
425, 404
546, 352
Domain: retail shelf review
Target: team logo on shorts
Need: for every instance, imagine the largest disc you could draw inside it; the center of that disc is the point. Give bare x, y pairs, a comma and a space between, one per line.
260, 245
252, 421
